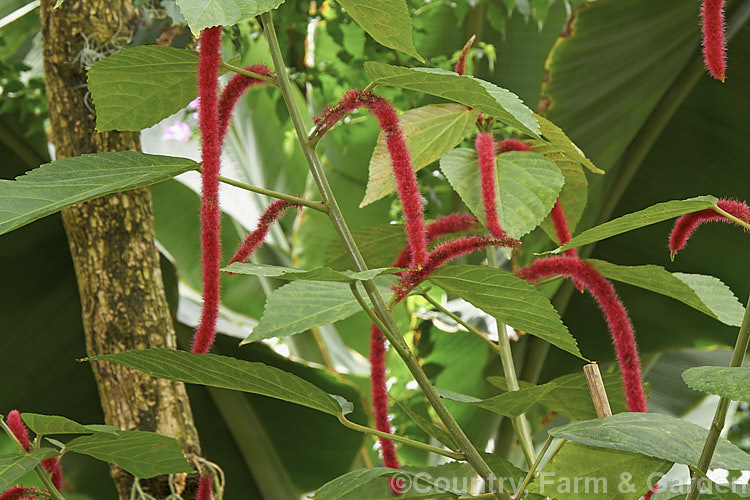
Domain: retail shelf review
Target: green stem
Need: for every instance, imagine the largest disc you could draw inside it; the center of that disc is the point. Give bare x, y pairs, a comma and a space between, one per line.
391, 331
533, 468
43, 477
410, 442
437, 305
320, 207
241, 71
732, 217
520, 423
740, 348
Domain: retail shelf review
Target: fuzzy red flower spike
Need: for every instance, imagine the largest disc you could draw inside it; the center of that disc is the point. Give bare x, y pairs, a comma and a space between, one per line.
685, 226
714, 38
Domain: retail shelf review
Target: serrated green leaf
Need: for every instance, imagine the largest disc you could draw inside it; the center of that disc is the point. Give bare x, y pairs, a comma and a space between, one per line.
514, 403
527, 185
646, 217
478, 94
562, 143
143, 454
509, 299
16, 465
379, 246
425, 423
302, 305
386, 21
707, 294
61, 183
727, 382
140, 86
430, 132
654, 435
202, 14
226, 373
580, 472
54, 424
319, 274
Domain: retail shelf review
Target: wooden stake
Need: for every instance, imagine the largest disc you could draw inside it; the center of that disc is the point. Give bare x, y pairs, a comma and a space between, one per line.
598, 392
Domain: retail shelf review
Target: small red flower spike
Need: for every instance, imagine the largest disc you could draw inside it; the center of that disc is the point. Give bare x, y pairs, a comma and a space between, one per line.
204, 488
446, 252
273, 213
618, 321
561, 227
511, 145
208, 74
406, 179
21, 493
461, 63
685, 226
453, 223
380, 402
234, 90
714, 41
485, 146
19, 429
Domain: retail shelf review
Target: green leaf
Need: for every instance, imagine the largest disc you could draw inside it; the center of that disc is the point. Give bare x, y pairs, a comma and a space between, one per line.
202, 14
562, 143
732, 383
53, 424
707, 294
473, 92
654, 435
54, 186
140, 86
302, 305
646, 217
16, 465
509, 299
527, 185
456, 396
319, 274
580, 472
428, 426
143, 454
227, 373
514, 403
430, 132
387, 21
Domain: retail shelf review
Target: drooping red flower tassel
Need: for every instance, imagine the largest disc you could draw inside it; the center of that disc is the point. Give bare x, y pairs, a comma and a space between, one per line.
380, 402
21, 493
714, 40
618, 321
406, 180
274, 211
446, 252
485, 146
204, 488
208, 74
235, 88
51, 465
561, 227
685, 226
461, 62
453, 223
509, 145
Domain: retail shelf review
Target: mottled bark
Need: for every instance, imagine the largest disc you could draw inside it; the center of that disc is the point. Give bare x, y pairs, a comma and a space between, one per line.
112, 242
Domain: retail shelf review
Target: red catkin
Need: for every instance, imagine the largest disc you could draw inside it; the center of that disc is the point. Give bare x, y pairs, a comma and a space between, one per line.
618, 321
714, 40
453, 223
273, 213
685, 226
485, 146
380, 402
461, 62
204, 488
208, 74
446, 252
509, 145
15, 423
20, 493
406, 179
235, 88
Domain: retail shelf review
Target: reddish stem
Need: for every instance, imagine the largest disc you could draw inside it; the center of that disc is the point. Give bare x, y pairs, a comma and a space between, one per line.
618, 321
485, 146
273, 213
236, 87
685, 226
453, 223
406, 179
208, 74
714, 40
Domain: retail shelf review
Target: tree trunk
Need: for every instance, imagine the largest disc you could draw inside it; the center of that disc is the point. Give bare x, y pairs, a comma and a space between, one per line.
112, 242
